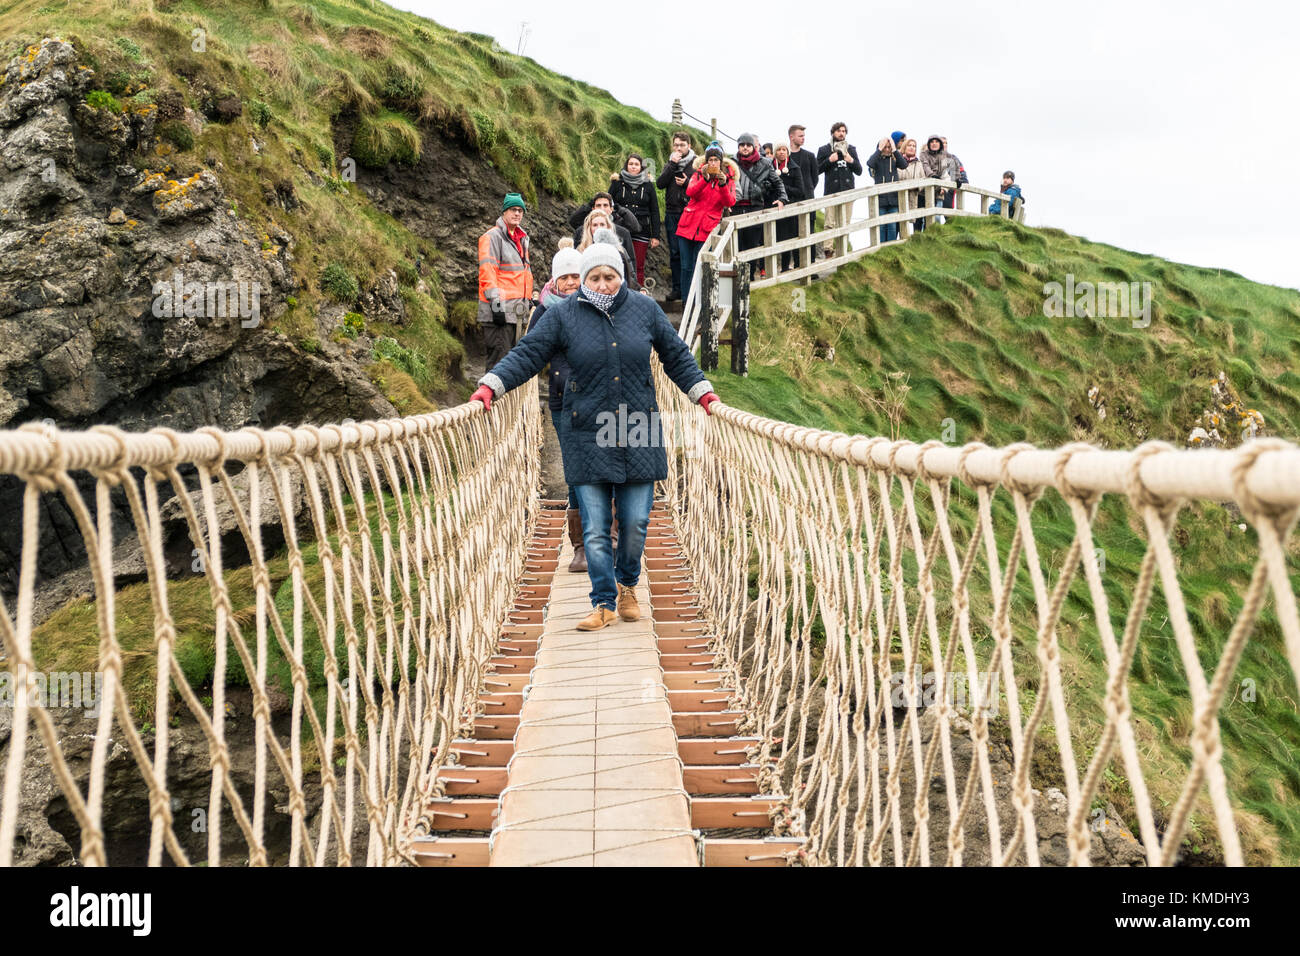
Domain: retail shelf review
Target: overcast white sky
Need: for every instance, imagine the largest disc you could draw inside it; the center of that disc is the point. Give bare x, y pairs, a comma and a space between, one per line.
1166, 128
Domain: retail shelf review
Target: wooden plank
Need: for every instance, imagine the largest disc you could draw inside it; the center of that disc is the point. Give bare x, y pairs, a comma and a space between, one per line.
487, 753
473, 781
713, 813
741, 778
470, 813
501, 703
749, 852
712, 724
521, 632
698, 644
516, 646
500, 683
686, 663
729, 751
489, 727
512, 664
453, 851
700, 701
701, 681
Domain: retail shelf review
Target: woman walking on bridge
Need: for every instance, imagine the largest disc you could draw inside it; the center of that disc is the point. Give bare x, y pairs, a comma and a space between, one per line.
613, 449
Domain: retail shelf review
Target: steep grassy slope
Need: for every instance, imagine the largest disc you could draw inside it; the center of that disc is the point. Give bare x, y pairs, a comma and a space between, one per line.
956, 316
260, 87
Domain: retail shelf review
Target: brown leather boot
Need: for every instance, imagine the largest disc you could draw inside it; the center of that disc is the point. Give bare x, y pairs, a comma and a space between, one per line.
579, 562
598, 618
628, 609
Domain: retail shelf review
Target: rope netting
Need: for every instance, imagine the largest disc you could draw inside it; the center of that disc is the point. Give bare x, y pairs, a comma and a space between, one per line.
403, 541
834, 569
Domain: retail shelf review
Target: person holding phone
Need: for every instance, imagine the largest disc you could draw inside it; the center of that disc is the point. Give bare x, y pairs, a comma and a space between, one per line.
674, 179
711, 190
838, 162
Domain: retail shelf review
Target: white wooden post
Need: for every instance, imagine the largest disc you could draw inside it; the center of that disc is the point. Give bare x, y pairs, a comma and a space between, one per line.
984, 205
873, 213
929, 203
805, 252
769, 240
905, 205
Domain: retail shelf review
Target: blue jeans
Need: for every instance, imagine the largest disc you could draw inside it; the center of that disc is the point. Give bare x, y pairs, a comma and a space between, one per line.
889, 231
555, 420
631, 502
689, 252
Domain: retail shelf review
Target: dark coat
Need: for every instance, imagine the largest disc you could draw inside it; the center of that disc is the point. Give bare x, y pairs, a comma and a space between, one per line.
884, 169
642, 200
609, 357
758, 184
559, 377
675, 198
807, 162
624, 225
792, 180
839, 173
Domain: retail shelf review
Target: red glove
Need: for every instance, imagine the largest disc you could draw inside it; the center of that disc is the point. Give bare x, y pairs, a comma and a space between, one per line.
707, 399
484, 394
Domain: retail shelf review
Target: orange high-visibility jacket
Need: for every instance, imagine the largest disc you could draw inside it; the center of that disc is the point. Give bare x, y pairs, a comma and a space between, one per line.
505, 281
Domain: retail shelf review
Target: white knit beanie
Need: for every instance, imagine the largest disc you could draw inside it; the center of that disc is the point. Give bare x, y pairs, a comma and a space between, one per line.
566, 262
605, 250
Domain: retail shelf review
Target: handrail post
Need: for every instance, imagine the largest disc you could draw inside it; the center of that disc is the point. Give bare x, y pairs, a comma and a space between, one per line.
905, 206
739, 321
708, 263
873, 213
805, 252
677, 111
960, 201
929, 205
984, 205
769, 240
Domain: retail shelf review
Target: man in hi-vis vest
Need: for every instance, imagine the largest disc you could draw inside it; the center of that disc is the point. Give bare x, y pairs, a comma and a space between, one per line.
505, 282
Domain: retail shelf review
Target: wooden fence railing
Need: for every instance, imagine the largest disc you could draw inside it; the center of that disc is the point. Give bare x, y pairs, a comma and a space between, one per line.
719, 291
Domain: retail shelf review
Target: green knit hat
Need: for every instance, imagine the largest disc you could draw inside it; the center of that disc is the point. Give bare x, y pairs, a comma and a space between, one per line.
514, 199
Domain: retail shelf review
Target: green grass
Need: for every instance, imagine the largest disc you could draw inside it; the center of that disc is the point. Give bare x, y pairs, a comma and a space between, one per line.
956, 313
302, 70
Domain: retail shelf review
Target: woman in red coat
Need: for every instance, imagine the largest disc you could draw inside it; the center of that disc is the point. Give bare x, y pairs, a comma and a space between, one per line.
710, 192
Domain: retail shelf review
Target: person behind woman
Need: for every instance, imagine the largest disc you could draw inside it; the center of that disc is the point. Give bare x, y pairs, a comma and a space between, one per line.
793, 180
885, 166
595, 221
913, 170
607, 335
938, 165
711, 190
636, 190
757, 188
562, 284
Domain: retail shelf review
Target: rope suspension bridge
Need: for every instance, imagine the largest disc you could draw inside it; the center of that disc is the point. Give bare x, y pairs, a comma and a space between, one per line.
771, 709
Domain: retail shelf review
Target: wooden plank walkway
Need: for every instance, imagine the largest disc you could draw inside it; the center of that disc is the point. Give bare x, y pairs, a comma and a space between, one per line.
595, 779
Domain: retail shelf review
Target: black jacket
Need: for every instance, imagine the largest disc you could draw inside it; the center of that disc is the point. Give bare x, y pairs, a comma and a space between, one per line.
792, 180
807, 163
675, 198
759, 186
624, 224
884, 169
839, 172
642, 200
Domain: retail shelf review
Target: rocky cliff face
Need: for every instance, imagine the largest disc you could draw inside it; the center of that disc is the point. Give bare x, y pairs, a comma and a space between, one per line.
131, 297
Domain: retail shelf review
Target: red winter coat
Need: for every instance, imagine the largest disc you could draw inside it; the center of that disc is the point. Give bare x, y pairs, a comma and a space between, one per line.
708, 199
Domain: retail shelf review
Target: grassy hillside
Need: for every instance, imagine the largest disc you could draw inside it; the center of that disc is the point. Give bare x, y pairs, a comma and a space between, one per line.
274, 77
951, 325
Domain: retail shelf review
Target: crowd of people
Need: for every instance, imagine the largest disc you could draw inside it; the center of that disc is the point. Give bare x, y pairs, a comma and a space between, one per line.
596, 333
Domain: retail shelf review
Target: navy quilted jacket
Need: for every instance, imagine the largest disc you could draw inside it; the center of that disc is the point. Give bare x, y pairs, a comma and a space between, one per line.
602, 436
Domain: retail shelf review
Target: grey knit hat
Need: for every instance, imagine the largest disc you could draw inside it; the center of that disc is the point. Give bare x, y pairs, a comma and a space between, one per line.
749, 138
605, 250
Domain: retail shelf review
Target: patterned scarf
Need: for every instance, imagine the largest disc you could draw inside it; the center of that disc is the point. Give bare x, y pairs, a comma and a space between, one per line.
598, 299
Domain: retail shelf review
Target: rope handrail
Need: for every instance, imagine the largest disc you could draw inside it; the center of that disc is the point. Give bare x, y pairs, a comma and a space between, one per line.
403, 540
791, 532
